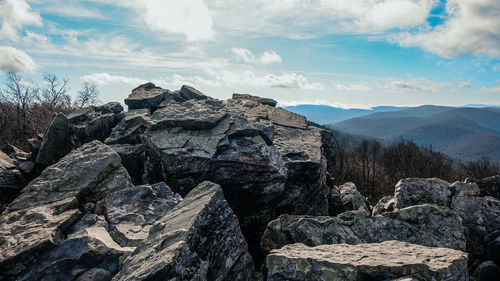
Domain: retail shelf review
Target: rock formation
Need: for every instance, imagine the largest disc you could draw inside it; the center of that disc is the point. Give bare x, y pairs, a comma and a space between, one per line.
186, 187
364, 262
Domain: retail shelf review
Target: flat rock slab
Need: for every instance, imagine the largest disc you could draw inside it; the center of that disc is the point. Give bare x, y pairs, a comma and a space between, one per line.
380, 261
132, 211
145, 96
199, 239
416, 191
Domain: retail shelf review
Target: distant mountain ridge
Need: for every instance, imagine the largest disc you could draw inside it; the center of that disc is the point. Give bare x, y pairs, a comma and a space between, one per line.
464, 133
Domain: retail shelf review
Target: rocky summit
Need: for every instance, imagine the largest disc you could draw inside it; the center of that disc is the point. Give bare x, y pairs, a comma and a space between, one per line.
183, 186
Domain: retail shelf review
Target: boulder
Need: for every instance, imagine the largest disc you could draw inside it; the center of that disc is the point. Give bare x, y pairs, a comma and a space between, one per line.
490, 186
487, 271
57, 141
87, 251
480, 216
130, 128
247, 97
385, 204
416, 191
335, 205
132, 211
351, 199
146, 96
132, 159
94, 122
11, 180
492, 242
199, 239
427, 225
36, 221
381, 261
190, 93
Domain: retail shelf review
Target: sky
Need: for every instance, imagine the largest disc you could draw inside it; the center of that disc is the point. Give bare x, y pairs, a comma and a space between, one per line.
343, 53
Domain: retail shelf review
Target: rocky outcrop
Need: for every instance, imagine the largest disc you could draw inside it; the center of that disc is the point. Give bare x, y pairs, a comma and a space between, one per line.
130, 128
199, 239
267, 160
132, 157
363, 262
415, 191
490, 186
38, 222
427, 225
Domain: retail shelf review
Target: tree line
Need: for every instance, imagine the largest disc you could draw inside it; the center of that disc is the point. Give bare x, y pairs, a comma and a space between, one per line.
376, 168
26, 107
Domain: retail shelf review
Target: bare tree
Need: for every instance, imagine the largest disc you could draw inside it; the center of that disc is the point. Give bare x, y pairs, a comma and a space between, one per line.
22, 92
87, 95
55, 94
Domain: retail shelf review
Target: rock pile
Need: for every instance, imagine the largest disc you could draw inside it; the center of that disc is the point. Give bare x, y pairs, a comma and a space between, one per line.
186, 187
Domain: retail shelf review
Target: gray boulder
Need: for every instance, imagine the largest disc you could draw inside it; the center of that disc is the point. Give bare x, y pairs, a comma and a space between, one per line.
94, 122
87, 253
487, 271
382, 261
351, 199
385, 204
132, 211
480, 215
11, 180
427, 225
335, 205
130, 128
37, 220
190, 93
416, 191
247, 97
199, 239
490, 186
57, 141
146, 96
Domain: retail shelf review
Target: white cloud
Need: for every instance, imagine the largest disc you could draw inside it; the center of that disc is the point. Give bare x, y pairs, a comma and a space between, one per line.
304, 19
15, 14
472, 28
67, 8
416, 85
190, 18
106, 78
491, 90
12, 59
464, 84
353, 88
246, 77
247, 56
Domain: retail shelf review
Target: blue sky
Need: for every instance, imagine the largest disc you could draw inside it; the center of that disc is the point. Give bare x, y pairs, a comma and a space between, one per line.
346, 53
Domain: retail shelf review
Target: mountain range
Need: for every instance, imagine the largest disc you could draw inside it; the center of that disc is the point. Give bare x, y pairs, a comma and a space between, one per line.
465, 133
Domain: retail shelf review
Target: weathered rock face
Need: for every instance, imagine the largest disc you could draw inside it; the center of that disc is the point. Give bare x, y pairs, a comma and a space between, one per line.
130, 128
95, 122
490, 186
363, 262
480, 215
132, 211
415, 191
487, 271
11, 180
57, 141
335, 205
266, 159
385, 204
132, 156
427, 225
351, 199
199, 239
35, 228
